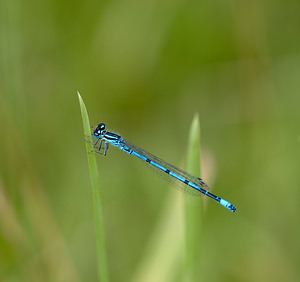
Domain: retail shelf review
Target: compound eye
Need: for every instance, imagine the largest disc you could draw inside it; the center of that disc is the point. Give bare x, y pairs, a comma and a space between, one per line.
101, 126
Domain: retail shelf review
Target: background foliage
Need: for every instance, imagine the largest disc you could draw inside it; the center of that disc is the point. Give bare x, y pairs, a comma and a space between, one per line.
144, 68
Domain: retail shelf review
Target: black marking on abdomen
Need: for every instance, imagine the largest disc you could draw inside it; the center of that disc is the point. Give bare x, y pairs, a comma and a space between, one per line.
127, 150
167, 171
148, 160
186, 182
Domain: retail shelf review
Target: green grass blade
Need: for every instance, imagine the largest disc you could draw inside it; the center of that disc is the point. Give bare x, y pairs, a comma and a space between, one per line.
193, 210
101, 251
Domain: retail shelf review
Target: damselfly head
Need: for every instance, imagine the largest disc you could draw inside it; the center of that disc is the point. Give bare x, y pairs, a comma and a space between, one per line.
99, 130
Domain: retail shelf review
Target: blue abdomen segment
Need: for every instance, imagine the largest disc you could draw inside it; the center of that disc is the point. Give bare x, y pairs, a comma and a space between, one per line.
227, 205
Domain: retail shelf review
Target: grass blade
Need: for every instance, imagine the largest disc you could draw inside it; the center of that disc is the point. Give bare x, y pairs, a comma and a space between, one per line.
101, 251
193, 210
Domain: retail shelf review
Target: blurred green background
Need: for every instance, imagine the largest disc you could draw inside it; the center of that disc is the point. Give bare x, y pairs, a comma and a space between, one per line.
145, 68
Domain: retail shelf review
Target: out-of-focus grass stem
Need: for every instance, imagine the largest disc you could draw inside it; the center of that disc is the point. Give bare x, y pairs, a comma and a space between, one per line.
193, 210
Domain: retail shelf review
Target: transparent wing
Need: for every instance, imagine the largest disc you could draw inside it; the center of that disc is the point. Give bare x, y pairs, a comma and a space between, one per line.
168, 178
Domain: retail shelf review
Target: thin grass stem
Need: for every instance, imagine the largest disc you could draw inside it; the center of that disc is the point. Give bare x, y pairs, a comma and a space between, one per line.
100, 240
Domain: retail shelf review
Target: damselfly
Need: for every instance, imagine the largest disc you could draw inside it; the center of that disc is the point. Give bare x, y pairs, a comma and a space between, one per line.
177, 177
